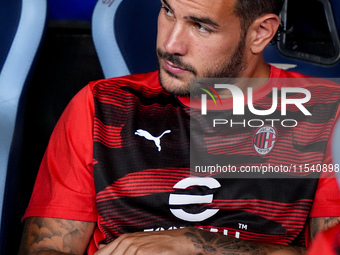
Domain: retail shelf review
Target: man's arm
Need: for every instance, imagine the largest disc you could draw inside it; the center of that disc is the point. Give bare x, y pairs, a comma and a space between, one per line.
196, 241
191, 241
58, 236
55, 236
213, 243
322, 223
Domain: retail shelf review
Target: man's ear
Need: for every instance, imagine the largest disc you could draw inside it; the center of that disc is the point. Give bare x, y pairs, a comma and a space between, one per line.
262, 31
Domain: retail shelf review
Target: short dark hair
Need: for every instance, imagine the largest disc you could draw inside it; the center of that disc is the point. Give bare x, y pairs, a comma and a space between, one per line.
250, 10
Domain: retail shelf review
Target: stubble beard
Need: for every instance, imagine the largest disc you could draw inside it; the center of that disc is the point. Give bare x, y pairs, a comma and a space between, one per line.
232, 68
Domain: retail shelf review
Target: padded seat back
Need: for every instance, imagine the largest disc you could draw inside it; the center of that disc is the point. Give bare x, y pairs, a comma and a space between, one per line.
21, 27
125, 45
312, 45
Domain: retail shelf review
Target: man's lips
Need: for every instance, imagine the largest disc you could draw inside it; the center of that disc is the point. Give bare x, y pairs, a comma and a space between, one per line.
173, 68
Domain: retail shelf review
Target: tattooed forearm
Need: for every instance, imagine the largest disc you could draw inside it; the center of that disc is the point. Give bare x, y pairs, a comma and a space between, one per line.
214, 243
322, 223
55, 236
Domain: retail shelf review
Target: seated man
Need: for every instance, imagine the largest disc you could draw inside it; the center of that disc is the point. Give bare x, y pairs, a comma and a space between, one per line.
116, 178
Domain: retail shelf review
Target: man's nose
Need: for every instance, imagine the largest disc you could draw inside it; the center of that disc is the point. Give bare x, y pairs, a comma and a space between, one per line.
177, 41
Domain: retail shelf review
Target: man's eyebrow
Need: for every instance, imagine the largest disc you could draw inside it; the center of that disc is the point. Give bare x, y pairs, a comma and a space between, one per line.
204, 20
166, 4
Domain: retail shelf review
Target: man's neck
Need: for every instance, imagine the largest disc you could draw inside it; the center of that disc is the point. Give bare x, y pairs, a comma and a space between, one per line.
256, 74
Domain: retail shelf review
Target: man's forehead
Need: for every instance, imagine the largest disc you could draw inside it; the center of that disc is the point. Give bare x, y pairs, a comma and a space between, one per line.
213, 7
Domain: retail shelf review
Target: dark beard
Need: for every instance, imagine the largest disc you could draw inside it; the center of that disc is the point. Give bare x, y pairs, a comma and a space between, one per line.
234, 66
230, 69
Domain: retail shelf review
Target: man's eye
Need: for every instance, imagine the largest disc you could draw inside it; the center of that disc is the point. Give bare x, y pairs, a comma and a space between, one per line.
167, 11
202, 28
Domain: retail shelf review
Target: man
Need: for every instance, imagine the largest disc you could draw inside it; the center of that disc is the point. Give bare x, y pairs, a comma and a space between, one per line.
116, 173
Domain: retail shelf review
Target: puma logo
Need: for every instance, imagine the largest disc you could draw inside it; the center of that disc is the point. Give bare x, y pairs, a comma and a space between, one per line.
148, 136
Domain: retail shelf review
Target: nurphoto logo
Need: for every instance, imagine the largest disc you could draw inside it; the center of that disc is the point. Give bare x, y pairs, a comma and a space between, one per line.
243, 104
239, 102
204, 96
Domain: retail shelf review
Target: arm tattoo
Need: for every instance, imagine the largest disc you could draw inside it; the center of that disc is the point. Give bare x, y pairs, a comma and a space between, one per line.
55, 236
322, 223
213, 243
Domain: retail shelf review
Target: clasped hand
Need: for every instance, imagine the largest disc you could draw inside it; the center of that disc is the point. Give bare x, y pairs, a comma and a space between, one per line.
148, 243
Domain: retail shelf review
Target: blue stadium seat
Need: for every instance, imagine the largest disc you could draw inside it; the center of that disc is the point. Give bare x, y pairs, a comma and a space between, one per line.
65, 63
312, 46
70, 10
21, 27
126, 45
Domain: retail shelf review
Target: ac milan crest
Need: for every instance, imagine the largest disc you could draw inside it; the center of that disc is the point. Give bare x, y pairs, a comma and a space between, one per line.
264, 139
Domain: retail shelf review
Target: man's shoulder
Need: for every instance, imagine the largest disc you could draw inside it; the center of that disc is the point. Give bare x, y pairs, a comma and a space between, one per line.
138, 82
296, 79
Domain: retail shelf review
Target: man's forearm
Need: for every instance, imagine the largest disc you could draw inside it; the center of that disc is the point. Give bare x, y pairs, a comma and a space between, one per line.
43, 236
212, 243
322, 223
